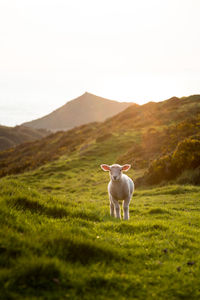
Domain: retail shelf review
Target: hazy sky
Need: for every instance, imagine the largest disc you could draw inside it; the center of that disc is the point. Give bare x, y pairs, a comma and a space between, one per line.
52, 51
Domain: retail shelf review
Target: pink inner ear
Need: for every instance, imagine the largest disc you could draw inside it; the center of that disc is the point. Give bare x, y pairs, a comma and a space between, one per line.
125, 167
105, 167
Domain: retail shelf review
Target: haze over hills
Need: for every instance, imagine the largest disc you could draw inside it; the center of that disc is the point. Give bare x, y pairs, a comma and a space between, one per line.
13, 136
85, 109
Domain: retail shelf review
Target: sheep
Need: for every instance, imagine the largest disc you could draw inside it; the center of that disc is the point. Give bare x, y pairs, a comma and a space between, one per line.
120, 187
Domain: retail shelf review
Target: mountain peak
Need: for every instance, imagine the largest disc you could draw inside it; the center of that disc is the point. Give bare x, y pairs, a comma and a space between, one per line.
87, 94
81, 110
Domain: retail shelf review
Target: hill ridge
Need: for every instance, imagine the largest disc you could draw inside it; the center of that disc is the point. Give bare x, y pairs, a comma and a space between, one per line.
137, 135
13, 136
81, 110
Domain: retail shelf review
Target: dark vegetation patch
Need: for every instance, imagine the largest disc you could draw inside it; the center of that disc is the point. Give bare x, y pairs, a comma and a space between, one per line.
38, 276
24, 203
89, 216
158, 210
56, 212
83, 251
8, 253
98, 282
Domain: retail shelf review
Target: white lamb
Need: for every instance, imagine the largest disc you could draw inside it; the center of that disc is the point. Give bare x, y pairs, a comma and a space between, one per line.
120, 187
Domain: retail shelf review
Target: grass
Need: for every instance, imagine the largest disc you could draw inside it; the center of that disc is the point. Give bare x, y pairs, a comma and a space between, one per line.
57, 240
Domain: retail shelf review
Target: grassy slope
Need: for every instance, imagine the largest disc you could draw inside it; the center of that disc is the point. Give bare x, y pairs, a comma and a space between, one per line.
57, 240
139, 134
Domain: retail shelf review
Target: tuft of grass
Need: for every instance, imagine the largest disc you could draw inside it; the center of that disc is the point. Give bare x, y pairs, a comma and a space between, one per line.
158, 210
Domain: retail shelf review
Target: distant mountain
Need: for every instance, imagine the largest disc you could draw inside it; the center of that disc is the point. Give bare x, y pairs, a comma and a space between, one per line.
138, 135
82, 110
13, 136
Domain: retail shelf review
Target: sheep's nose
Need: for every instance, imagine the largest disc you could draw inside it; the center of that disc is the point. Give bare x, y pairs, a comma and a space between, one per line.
115, 177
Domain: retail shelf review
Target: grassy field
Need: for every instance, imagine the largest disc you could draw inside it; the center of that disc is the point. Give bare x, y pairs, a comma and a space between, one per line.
57, 240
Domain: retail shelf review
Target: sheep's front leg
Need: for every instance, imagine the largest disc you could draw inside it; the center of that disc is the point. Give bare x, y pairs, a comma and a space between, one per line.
117, 208
112, 208
126, 208
117, 211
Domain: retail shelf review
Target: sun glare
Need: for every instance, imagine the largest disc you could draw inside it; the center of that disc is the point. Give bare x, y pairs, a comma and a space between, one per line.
51, 52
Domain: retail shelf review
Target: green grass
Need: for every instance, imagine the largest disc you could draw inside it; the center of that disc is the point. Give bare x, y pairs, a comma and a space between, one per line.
57, 240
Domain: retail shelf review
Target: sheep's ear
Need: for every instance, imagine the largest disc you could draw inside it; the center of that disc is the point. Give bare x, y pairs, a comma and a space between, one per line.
105, 167
126, 167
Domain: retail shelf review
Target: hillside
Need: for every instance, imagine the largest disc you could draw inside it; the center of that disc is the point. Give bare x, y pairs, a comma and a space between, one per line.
12, 136
82, 110
57, 240
138, 135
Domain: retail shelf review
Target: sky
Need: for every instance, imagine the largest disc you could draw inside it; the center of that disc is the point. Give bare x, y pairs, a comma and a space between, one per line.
52, 51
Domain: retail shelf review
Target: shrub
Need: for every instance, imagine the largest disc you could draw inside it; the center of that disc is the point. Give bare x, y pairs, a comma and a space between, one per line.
185, 157
189, 177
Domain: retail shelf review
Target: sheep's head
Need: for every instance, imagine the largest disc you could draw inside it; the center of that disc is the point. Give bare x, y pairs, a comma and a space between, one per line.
115, 170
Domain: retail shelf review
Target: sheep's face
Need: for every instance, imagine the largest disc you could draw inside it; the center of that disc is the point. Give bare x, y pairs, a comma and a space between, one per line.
115, 170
